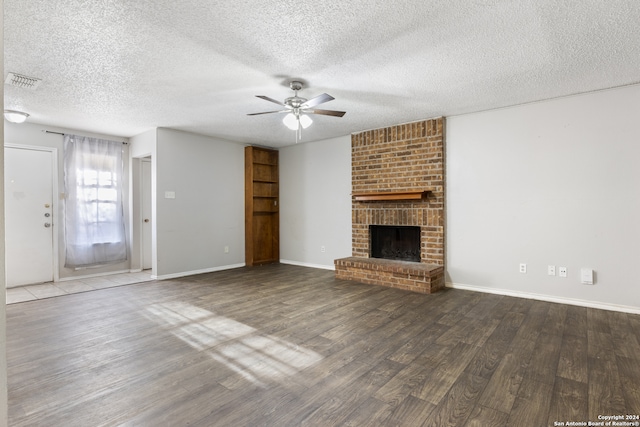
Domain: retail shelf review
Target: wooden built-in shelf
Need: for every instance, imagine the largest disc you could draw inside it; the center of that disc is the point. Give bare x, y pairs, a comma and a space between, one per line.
262, 213
396, 195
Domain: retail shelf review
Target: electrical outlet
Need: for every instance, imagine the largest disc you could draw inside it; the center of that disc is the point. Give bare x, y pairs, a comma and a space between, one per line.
226, 249
551, 270
562, 271
322, 249
523, 268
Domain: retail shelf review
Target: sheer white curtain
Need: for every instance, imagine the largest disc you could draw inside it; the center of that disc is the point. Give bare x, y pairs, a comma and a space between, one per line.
94, 220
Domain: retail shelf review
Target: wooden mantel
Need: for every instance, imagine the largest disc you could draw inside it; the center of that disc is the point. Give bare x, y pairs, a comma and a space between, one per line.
393, 195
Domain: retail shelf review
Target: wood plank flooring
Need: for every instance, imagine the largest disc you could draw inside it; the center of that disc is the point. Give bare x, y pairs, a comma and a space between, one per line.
283, 345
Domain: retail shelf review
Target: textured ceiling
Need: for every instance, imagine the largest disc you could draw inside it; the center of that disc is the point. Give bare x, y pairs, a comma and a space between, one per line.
124, 67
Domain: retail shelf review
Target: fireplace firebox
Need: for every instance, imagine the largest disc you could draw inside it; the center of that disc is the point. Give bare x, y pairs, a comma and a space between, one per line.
393, 242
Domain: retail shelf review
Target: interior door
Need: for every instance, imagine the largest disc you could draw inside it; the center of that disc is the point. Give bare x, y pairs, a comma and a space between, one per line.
29, 221
146, 213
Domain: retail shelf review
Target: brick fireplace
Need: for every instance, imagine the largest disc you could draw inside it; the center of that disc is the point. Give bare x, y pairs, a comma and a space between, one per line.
398, 179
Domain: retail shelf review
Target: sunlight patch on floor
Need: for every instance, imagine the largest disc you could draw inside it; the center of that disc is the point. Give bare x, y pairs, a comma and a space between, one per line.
242, 348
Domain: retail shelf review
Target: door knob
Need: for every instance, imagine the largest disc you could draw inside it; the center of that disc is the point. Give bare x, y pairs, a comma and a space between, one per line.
47, 214
47, 225
146, 220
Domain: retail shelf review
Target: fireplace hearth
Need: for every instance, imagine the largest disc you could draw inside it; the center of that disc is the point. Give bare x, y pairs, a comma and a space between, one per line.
400, 243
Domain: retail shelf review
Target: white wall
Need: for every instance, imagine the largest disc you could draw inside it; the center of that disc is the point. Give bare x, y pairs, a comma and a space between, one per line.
33, 135
550, 183
144, 144
207, 214
315, 202
3, 301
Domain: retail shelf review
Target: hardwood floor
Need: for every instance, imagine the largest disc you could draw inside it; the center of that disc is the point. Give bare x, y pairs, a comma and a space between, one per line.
282, 345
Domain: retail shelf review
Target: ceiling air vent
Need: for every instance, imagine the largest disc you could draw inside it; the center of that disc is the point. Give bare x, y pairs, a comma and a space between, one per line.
24, 82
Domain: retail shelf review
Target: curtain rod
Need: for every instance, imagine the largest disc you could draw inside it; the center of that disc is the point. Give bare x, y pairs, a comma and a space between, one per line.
60, 133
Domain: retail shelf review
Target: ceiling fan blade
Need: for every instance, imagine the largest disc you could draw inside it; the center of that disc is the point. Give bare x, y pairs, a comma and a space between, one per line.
326, 112
325, 97
266, 98
267, 112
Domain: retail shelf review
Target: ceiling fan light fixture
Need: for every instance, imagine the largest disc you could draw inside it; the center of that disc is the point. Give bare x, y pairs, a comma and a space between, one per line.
305, 121
294, 121
15, 116
290, 121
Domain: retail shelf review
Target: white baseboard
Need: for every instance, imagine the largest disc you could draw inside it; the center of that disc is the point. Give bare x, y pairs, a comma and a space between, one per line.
194, 272
548, 298
306, 264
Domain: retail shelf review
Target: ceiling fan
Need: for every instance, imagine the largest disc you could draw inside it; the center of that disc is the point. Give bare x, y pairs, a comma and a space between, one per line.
299, 108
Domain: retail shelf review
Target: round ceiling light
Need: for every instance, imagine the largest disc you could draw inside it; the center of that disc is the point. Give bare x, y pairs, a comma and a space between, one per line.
15, 116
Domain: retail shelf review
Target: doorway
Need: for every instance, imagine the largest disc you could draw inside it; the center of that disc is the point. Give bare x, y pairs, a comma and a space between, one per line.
145, 169
30, 215
142, 215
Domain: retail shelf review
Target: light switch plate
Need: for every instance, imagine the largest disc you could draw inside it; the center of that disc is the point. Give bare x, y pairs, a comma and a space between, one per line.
169, 194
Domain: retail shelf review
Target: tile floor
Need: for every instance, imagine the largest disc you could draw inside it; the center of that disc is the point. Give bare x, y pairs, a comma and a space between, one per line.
54, 289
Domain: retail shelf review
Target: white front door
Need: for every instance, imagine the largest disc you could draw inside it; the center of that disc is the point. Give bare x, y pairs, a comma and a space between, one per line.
29, 221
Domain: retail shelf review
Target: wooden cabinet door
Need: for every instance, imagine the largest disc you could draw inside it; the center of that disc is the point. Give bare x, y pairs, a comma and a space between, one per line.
262, 210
